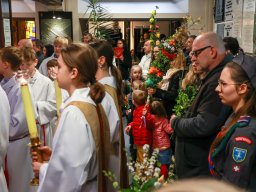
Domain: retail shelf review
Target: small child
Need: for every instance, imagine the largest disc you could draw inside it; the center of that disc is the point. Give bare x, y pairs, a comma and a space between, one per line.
141, 125
161, 138
52, 66
136, 85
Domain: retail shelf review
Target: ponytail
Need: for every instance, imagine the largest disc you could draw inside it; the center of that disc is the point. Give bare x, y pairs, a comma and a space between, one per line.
97, 92
119, 84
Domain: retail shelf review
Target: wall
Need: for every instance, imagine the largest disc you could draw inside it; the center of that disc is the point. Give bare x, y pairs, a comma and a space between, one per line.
133, 9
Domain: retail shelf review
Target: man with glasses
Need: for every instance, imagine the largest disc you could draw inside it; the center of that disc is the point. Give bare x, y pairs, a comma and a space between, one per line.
197, 129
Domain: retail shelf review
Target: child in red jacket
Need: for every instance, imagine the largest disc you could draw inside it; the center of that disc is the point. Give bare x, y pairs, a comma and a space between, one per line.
142, 124
161, 133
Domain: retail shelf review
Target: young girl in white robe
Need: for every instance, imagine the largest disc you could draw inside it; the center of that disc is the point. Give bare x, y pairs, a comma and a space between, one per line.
74, 164
111, 78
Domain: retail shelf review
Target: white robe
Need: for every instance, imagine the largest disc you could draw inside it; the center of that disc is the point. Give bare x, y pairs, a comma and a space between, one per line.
110, 109
44, 95
19, 162
114, 122
73, 164
4, 135
145, 64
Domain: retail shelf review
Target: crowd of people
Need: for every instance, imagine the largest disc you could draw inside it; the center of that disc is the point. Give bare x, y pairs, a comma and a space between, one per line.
214, 137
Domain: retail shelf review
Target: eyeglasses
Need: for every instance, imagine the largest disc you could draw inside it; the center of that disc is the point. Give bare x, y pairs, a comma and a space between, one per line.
224, 84
198, 51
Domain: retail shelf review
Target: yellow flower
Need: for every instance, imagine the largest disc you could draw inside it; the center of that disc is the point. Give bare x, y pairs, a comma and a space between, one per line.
158, 35
154, 12
157, 42
151, 20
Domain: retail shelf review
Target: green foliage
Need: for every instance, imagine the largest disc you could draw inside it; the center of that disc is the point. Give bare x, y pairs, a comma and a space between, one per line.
184, 100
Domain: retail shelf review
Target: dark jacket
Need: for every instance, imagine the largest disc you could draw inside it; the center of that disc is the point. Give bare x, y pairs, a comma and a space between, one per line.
125, 65
196, 131
169, 97
236, 162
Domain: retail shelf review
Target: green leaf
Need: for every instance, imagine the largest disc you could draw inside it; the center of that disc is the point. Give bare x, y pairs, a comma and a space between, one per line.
149, 184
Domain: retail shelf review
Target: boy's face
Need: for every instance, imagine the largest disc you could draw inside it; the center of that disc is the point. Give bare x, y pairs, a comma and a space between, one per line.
52, 71
29, 66
57, 49
2, 66
136, 74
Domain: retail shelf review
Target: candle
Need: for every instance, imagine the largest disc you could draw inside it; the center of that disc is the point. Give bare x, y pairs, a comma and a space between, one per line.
30, 116
58, 97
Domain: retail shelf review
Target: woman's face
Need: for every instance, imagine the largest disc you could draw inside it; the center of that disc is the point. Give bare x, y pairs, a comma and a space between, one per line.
228, 90
155, 52
44, 51
120, 44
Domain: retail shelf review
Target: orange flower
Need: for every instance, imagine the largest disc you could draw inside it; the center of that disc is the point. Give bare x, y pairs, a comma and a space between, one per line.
172, 42
152, 70
159, 74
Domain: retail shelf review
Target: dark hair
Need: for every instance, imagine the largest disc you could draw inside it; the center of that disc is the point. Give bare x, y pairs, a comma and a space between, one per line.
162, 36
49, 50
52, 63
38, 43
13, 56
231, 44
84, 58
157, 108
104, 48
239, 76
139, 97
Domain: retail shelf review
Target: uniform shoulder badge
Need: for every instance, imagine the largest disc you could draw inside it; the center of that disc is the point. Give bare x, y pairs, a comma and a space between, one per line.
243, 139
239, 154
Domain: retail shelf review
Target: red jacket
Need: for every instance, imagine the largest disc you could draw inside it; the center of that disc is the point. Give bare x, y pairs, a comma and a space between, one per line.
142, 134
162, 128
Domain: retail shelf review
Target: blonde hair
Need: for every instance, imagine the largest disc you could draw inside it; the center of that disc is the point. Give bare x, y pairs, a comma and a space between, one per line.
138, 83
189, 79
139, 97
200, 185
61, 41
180, 61
134, 67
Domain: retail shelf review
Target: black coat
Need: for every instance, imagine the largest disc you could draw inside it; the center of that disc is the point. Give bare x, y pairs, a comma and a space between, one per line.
196, 131
169, 97
125, 65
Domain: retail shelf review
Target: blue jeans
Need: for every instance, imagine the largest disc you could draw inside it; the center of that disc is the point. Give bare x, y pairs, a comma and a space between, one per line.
164, 156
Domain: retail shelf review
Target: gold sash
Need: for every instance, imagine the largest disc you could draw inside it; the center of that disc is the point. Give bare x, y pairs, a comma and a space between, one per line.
101, 134
124, 180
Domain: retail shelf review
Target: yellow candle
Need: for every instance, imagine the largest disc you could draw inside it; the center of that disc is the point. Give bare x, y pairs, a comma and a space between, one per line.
58, 97
30, 116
